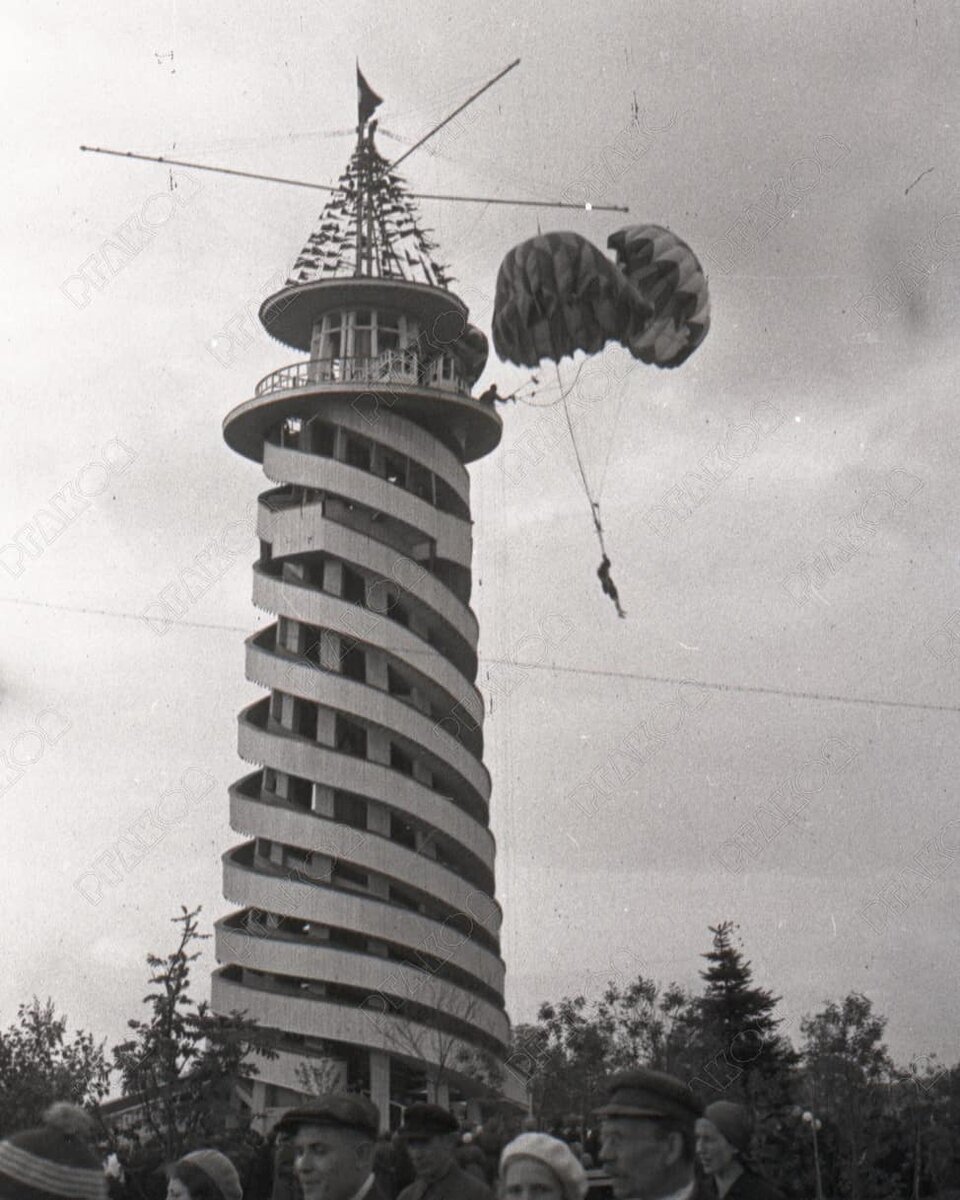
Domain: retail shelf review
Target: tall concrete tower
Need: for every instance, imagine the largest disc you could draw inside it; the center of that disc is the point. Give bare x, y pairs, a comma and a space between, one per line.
366, 941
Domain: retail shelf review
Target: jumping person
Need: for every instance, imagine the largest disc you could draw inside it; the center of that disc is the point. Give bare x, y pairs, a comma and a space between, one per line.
609, 587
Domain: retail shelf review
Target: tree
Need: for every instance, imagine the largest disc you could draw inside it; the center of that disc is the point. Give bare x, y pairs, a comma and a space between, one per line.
934, 1096
576, 1058
848, 1074
40, 1064
320, 1076
527, 1059
567, 1056
413, 1028
744, 1054
647, 1024
481, 1065
183, 1062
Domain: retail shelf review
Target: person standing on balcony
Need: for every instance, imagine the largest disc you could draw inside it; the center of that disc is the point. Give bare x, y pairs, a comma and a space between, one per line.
431, 1135
491, 395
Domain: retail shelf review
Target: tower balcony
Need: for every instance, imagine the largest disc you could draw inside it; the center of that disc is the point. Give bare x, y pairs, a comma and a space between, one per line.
392, 366
432, 394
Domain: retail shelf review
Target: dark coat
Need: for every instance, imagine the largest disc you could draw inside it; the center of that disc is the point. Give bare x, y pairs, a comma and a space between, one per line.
750, 1186
378, 1191
703, 1189
456, 1184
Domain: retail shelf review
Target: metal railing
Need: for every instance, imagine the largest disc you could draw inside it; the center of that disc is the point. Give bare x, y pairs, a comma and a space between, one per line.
392, 366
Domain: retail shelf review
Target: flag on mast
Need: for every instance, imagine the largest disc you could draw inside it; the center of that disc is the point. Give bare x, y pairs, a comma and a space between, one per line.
367, 99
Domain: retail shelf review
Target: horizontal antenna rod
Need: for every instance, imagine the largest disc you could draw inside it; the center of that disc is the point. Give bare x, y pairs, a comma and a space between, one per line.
179, 162
446, 121
325, 187
587, 207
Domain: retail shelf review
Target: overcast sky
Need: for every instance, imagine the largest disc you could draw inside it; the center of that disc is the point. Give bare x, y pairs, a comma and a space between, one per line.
804, 151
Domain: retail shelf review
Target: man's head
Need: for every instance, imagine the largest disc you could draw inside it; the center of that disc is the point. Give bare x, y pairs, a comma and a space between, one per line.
333, 1141
430, 1134
647, 1134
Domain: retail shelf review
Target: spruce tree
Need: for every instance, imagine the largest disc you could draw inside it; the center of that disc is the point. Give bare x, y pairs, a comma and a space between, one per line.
747, 1057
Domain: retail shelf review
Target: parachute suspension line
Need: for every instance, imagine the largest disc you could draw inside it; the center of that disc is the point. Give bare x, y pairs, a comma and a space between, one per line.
594, 505
603, 571
610, 445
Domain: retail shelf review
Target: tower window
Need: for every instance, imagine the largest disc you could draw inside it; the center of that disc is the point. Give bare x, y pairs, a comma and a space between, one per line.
299, 791
362, 333
398, 896
353, 664
358, 453
388, 332
305, 719
322, 438
327, 339
350, 738
397, 611
350, 875
402, 832
396, 684
395, 470
400, 761
421, 482
350, 810
354, 586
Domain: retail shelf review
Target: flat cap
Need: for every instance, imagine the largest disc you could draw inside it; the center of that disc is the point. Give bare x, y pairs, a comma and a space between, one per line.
345, 1110
427, 1120
645, 1093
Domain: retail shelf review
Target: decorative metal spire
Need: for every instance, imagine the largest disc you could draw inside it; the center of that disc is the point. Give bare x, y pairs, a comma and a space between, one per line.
370, 226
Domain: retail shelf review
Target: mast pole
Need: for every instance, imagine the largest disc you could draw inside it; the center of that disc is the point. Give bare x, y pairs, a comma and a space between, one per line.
368, 158
359, 261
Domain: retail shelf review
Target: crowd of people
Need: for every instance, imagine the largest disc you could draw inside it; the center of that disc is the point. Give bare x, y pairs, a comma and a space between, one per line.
654, 1141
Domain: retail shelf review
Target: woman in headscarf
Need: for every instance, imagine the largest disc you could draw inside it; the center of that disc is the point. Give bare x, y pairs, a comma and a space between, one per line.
535, 1166
203, 1175
723, 1149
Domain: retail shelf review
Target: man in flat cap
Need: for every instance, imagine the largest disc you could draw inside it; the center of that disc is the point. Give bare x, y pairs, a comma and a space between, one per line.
647, 1137
431, 1135
333, 1140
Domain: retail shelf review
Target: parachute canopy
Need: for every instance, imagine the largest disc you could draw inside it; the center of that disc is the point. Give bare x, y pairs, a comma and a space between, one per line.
666, 273
471, 349
556, 294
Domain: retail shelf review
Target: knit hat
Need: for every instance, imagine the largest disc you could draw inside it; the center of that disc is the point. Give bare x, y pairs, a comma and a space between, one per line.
733, 1121
218, 1169
555, 1155
54, 1160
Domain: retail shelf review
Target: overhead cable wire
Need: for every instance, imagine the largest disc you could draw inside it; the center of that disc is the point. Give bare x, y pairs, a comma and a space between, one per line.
553, 668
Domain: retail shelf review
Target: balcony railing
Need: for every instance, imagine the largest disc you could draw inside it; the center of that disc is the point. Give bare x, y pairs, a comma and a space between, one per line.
392, 366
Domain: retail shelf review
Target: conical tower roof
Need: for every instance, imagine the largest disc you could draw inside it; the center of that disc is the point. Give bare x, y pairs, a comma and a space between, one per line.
371, 227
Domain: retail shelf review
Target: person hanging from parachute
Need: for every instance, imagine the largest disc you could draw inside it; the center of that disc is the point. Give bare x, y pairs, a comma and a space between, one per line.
609, 587
558, 294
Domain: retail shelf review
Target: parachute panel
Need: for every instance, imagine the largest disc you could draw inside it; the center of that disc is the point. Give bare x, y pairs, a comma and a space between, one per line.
668, 275
557, 294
